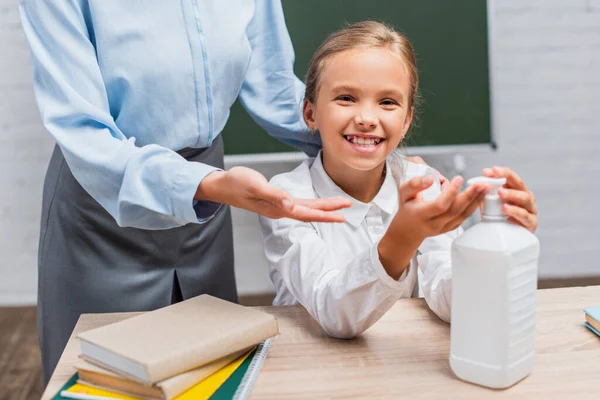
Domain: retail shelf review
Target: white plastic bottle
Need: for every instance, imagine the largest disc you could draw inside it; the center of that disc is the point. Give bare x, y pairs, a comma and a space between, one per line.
494, 282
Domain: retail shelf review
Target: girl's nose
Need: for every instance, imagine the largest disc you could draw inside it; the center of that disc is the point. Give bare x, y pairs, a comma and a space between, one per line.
366, 119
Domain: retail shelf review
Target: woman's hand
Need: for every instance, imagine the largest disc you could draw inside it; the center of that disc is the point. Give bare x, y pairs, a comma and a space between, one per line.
417, 219
248, 189
520, 204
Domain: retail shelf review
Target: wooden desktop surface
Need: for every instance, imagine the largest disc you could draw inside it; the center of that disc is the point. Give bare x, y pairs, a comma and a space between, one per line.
404, 355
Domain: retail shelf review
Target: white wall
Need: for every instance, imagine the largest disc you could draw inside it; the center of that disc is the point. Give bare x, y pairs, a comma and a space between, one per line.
546, 72
24, 153
546, 85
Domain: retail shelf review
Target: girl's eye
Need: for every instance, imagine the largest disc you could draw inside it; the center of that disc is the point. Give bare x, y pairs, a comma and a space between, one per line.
345, 98
389, 102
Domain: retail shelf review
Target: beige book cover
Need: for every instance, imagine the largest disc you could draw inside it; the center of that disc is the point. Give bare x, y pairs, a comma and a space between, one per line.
95, 375
160, 344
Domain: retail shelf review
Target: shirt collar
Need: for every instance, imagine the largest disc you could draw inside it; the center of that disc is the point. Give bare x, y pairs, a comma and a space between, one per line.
386, 199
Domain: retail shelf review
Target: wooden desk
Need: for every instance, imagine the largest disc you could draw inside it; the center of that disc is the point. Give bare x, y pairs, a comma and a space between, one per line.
405, 354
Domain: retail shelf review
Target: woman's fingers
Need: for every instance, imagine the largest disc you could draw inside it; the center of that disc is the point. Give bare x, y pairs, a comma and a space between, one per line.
329, 204
410, 189
319, 210
276, 203
521, 198
268, 193
306, 213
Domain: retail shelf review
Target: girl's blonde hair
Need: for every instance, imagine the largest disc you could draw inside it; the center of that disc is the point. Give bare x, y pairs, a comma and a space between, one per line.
367, 35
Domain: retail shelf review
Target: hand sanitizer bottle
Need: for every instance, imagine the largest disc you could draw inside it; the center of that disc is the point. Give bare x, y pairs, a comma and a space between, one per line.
494, 281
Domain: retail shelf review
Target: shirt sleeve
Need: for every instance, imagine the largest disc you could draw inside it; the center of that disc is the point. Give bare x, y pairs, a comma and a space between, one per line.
435, 272
345, 298
147, 187
271, 92
434, 256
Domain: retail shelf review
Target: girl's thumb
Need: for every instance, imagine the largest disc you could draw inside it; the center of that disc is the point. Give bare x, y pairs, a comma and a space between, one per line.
410, 189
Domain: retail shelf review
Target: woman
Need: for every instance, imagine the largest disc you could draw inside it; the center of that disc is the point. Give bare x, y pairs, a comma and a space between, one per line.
135, 95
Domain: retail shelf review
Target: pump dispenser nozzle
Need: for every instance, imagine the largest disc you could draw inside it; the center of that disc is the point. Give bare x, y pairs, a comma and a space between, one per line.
492, 205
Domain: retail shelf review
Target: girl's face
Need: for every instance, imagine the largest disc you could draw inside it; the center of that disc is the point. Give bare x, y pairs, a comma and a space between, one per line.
361, 107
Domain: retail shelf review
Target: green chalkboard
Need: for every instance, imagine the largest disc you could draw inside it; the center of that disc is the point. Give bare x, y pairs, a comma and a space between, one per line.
451, 42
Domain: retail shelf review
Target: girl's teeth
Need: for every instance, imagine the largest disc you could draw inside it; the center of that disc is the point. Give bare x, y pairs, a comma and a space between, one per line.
364, 141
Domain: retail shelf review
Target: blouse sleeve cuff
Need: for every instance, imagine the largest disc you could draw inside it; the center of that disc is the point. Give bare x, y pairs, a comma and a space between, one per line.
185, 187
384, 277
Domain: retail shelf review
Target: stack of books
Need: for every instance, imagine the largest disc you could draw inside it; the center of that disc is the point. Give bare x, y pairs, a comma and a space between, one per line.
188, 350
592, 319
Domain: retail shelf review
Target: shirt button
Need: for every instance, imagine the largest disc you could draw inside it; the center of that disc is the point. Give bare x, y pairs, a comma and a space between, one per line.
378, 230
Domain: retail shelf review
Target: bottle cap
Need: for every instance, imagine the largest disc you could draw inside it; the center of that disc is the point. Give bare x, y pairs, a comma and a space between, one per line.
492, 205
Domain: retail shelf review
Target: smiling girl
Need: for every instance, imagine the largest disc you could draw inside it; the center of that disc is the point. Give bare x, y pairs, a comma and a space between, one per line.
361, 88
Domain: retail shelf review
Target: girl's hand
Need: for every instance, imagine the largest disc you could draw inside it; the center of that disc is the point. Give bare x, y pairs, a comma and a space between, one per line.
520, 204
418, 160
441, 215
248, 189
417, 219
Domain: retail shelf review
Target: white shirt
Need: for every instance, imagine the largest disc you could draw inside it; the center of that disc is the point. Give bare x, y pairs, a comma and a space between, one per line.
333, 269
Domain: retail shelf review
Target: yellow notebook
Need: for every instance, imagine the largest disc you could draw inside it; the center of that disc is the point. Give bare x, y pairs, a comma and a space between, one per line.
93, 375
202, 390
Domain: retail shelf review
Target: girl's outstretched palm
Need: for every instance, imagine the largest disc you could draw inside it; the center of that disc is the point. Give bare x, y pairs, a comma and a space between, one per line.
418, 219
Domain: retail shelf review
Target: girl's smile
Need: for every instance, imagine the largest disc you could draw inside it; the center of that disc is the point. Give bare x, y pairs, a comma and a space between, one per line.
364, 143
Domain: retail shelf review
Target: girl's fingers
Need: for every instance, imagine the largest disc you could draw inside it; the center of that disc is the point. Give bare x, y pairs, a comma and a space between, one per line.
513, 181
472, 207
524, 199
419, 160
455, 222
443, 180
465, 200
445, 200
411, 189
521, 216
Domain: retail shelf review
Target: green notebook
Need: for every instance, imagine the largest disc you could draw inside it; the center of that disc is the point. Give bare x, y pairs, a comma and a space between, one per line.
67, 385
239, 385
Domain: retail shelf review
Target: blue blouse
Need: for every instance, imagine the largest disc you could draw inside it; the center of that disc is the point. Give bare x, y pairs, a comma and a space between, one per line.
121, 84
